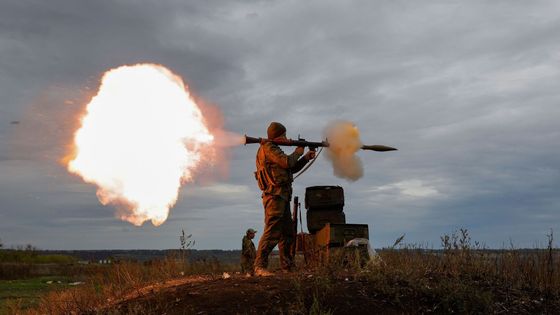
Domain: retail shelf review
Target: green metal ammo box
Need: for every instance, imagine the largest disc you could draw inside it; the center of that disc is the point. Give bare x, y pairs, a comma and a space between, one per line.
337, 235
316, 220
318, 198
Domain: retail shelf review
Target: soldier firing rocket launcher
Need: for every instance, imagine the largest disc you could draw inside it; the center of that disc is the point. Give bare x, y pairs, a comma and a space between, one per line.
312, 145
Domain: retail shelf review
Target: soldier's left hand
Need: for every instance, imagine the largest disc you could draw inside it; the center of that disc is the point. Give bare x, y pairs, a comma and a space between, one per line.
310, 155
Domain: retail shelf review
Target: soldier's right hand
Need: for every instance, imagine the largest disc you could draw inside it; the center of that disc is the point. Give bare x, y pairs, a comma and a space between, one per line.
299, 150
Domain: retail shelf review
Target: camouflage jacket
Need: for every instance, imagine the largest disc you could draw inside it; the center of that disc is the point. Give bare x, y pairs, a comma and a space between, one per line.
248, 251
277, 170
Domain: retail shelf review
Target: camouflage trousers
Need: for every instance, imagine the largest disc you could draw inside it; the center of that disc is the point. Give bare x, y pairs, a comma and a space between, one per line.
278, 230
247, 265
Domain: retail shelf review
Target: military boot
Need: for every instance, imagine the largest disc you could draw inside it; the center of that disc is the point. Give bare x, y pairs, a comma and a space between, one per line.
262, 272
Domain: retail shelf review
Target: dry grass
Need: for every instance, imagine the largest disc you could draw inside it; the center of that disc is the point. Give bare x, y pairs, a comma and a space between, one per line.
461, 278
108, 285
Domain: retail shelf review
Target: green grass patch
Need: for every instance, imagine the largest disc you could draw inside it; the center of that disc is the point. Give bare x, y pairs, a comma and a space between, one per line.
28, 291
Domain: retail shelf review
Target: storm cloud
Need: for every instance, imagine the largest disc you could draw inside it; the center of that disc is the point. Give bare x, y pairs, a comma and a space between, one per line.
466, 90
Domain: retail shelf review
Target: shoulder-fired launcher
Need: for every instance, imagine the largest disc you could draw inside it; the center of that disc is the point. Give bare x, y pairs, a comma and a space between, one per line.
311, 145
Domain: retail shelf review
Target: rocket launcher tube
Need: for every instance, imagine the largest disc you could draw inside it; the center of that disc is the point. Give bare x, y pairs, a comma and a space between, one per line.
311, 145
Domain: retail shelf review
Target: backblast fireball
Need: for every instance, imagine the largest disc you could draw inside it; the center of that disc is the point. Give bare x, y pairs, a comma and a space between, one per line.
140, 138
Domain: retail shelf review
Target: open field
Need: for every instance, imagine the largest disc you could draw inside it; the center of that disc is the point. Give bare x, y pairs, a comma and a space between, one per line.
406, 280
25, 293
459, 278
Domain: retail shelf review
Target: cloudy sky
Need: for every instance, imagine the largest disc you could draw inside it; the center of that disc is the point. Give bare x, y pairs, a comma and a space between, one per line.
467, 90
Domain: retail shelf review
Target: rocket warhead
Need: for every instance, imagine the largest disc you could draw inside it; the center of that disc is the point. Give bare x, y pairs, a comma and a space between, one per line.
378, 148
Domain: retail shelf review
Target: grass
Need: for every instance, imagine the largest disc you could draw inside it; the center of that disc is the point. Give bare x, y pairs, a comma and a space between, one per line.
26, 263
109, 284
463, 277
26, 293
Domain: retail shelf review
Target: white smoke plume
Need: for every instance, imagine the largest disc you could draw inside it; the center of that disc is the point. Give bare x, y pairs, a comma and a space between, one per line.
344, 140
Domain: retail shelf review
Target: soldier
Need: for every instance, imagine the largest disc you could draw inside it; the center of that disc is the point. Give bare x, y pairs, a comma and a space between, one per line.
248, 252
274, 175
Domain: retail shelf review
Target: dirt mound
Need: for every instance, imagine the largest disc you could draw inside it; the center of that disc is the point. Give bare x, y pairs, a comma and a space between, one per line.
384, 291
286, 294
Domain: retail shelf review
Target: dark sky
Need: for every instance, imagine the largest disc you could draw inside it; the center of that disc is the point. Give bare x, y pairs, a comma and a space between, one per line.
467, 90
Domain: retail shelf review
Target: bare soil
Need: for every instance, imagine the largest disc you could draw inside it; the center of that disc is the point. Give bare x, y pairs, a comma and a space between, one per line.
353, 293
279, 294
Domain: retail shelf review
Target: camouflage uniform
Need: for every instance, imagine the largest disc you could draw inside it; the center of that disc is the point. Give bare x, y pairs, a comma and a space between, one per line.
248, 255
277, 194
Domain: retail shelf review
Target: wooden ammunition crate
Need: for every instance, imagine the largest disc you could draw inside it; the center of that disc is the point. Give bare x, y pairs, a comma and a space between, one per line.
316, 220
324, 198
337, 235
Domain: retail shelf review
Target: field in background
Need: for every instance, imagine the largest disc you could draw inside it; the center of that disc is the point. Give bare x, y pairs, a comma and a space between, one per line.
26, 293
28, 274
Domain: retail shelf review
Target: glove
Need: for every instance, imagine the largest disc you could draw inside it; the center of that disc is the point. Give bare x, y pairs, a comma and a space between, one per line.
310, 155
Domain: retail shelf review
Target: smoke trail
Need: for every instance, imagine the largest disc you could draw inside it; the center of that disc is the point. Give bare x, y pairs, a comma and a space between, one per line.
344, 140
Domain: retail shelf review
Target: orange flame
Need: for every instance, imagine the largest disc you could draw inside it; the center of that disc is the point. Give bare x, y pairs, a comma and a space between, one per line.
140, 138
